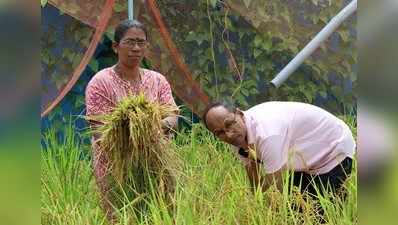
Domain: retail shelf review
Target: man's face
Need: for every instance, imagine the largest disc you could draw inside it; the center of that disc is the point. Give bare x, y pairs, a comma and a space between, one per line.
227, 126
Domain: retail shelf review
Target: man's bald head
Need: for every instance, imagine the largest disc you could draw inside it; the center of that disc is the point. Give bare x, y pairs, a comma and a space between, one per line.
225, 123
212, 106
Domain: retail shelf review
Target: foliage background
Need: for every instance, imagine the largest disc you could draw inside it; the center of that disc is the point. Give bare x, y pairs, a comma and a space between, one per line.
233, 49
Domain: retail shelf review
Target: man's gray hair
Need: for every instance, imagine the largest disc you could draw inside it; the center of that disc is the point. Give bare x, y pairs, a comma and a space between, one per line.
231, 108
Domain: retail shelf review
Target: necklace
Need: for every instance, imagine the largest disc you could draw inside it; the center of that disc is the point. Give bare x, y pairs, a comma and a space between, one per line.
123, 76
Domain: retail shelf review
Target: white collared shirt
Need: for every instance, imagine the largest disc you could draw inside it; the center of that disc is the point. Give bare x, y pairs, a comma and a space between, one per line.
297, 136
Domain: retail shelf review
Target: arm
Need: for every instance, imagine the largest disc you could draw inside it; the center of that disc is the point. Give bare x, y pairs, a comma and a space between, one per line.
165, 97
264, 181
272, 151
252, 171
251, 166
273, 179
98, 102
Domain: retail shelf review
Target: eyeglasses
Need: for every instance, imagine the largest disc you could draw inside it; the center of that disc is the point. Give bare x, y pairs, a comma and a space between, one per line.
130, 43
228, 122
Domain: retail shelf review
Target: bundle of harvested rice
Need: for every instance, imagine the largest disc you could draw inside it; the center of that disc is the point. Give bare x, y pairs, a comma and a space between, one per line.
139, 154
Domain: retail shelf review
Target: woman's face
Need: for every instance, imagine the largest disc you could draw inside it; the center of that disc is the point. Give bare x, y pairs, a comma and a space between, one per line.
132, 47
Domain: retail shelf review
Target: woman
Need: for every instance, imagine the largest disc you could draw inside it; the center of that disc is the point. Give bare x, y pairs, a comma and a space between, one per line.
112, 84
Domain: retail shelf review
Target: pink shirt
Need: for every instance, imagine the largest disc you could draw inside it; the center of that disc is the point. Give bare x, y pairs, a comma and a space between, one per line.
297, 136
106, 89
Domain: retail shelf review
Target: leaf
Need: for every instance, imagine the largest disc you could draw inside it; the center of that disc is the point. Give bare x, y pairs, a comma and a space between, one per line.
257, 52
247, 3
43, 3
254, 91
191, 36
251, 83
323, 94
119, 8
241, 34
256, 23
200, 38
345, 36
308, 96
245, 92
94, 65
267, 44
257, 40
45, 56
241, 99
76, 60
213, 3
337, 91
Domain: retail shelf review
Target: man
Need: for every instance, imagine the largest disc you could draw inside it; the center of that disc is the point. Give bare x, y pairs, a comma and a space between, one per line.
279, 136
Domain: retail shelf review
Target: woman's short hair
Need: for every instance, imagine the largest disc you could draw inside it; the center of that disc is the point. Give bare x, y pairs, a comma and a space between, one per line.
125, 25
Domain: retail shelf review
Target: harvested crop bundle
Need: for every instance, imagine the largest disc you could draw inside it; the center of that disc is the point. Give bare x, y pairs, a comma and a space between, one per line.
141, 159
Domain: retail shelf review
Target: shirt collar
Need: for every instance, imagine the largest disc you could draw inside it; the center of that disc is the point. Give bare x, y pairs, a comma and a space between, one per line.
250, 127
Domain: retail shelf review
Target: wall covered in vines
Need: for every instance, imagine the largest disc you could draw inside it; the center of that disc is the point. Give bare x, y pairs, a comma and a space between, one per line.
233, 49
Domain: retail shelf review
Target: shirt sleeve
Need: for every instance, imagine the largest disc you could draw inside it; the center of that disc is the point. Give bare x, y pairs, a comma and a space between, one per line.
98, 100
273, 152
165, 94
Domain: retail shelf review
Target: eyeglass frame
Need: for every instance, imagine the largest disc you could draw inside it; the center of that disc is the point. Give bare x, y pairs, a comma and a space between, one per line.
226, 126
131, 43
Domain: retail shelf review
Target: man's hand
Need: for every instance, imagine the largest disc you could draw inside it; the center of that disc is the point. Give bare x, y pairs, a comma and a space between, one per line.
165, 126
264, 181
169, 124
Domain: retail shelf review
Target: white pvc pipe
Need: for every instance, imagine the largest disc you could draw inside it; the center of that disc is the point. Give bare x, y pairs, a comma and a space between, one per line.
314, 43
131, 9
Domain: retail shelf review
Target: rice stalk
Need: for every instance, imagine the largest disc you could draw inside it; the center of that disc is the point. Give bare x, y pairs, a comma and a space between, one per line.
140, 155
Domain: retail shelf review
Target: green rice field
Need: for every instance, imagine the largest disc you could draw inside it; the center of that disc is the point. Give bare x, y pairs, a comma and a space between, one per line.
212, 188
